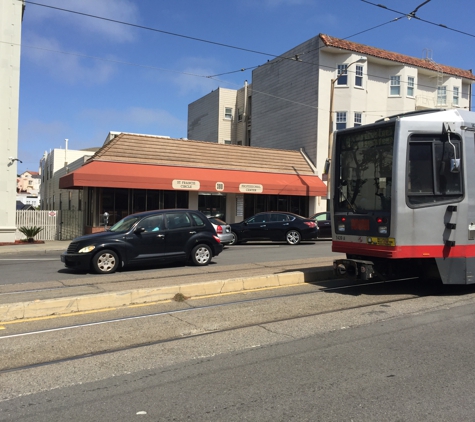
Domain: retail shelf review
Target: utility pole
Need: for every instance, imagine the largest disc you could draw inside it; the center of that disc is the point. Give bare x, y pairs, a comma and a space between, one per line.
11, 16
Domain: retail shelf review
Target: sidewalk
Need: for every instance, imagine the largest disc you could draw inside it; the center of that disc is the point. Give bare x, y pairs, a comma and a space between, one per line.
35, 300
48, 245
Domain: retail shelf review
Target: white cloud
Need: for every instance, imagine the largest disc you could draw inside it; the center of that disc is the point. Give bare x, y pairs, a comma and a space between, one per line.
120, 10
47, 53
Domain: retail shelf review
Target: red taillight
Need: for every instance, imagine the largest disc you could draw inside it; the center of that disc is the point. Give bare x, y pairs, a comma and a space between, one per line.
217, 239
379, 220
310, 224
343, 219
219, 230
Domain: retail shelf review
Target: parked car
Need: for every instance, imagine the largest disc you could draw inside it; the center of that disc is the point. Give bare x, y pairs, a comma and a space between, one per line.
275, 226
223, 230
146, 237
324, 222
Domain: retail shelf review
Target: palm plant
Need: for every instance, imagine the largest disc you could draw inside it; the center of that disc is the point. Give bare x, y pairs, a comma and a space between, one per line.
30, 232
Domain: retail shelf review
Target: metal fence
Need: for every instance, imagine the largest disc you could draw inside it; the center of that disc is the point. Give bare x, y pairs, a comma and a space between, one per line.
57, 225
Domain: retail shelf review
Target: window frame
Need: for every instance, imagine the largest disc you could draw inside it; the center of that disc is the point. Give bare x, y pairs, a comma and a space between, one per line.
338, 120
442, 95
455, 95
342, 75
394, 86
359, 74
357, 116
228, 113
411, 82
438, 151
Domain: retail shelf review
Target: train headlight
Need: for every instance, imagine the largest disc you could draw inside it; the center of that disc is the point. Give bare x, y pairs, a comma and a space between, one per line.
383, 229
341, 227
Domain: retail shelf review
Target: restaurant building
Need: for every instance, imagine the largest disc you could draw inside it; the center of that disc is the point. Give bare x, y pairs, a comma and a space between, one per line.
133, 173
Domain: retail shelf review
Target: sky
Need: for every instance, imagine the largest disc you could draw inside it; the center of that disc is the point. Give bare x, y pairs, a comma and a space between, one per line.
134, 65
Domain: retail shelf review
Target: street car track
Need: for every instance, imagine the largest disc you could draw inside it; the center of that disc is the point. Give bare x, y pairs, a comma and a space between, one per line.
137, 345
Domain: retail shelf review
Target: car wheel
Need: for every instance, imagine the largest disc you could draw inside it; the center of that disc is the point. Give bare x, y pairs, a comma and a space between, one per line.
235, 239
201, 255
105, 262
292, 237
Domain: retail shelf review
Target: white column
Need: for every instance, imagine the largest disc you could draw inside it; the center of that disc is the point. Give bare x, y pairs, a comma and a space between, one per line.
10, 34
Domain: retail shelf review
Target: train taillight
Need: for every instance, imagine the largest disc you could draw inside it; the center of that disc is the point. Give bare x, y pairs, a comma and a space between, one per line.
382, 225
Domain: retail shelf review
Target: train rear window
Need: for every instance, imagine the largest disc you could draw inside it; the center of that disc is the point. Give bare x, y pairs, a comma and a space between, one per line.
430, 178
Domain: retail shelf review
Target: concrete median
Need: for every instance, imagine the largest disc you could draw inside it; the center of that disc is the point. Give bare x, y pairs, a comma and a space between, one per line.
90, 302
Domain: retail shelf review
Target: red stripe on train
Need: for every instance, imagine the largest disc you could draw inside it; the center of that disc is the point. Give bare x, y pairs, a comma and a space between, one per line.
397, 252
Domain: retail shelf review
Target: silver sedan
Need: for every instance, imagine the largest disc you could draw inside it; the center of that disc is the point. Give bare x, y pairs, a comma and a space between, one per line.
223, 230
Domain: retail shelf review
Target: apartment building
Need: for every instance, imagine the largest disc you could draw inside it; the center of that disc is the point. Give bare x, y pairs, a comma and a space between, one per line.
322, 85
222, 116
28, 182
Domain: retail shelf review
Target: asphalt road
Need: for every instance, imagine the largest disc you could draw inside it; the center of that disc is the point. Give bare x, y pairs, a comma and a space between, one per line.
327, 352
42, 267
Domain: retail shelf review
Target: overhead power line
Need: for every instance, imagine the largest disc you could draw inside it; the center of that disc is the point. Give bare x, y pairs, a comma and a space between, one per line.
413, 15
295, 57
151, 29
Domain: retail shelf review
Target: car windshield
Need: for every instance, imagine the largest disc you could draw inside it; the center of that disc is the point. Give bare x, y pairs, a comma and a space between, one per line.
124, 225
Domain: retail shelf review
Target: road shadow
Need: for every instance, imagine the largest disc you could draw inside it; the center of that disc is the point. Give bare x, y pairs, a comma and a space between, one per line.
414, 286
132, 268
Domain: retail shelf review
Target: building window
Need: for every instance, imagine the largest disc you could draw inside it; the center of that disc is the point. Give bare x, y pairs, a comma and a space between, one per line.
410, 86
342, 76
441, 95
240, 114
227, 142
359, 76
80, 200
395, 85
228, 113
340, 120
357, 119
455, 96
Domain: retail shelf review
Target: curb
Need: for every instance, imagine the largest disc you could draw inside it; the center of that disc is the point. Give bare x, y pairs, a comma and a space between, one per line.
66, 305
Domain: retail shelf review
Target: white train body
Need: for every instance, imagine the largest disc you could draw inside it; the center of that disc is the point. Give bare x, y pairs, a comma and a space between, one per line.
403, 197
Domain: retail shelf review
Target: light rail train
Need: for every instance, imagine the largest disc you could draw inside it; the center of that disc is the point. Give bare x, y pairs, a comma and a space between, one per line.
402, 193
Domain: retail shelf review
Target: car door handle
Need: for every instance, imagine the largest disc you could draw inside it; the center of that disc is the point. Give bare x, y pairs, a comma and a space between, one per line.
192, 232
263, 225
286, 224
161, 236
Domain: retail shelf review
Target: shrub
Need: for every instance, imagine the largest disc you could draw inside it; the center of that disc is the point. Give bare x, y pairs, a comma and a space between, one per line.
30, 232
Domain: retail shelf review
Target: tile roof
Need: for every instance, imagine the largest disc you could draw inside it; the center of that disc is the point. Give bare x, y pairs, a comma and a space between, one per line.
395, 57
147, 149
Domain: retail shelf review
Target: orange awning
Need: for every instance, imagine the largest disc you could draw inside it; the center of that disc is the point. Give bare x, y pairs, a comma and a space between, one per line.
145, 176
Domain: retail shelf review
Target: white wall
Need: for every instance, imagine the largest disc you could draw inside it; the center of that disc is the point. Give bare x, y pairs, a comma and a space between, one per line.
50, 192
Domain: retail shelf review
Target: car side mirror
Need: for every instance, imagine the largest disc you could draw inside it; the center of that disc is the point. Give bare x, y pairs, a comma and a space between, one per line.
139, 230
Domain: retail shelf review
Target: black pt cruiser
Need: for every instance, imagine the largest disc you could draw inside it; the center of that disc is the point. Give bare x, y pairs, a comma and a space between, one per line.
146, 237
